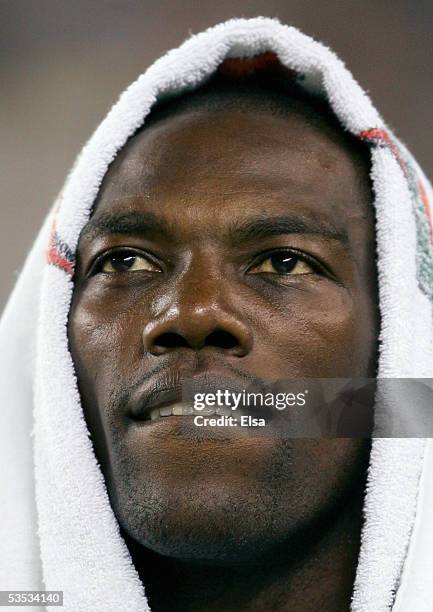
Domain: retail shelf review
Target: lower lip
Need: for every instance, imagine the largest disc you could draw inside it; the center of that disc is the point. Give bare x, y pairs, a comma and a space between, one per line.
176, 426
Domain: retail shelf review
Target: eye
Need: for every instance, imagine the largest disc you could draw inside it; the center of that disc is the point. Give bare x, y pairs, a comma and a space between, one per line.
283, 262
126, 261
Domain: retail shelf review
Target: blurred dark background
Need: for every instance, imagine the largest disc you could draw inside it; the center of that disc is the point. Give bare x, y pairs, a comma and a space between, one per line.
64, 62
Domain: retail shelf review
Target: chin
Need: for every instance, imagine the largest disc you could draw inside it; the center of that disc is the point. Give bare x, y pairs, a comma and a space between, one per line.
212, 527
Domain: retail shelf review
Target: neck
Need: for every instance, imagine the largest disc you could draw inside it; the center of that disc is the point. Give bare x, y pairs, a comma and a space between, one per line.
314, 570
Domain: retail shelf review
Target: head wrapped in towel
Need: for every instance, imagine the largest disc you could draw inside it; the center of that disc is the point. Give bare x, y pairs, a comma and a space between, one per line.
67, 518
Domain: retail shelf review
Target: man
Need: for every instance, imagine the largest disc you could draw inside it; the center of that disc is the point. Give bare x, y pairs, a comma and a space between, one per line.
232, 239
228, 241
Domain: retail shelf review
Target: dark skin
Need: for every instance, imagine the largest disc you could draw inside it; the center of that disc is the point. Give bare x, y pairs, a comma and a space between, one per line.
235, 521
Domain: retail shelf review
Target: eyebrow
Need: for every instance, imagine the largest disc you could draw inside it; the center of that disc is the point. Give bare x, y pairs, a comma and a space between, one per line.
132, 222
256, 228
266, 226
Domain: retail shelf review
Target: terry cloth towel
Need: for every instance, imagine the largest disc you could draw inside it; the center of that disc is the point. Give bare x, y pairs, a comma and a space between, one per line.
57, 529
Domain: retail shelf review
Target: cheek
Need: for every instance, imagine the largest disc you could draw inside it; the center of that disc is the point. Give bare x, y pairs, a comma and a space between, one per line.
106, 346
105, 340
313, 331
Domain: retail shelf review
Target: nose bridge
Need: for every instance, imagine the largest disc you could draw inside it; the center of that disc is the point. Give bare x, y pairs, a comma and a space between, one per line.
201, 290
200, 312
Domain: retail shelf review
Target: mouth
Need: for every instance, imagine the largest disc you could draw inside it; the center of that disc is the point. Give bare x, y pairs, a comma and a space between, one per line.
184, 409
162, 402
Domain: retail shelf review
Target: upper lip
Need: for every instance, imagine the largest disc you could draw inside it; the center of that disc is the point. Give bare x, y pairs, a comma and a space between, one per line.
156, 394
157, 398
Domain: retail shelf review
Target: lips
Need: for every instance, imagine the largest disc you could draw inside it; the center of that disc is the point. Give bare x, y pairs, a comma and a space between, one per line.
157, 400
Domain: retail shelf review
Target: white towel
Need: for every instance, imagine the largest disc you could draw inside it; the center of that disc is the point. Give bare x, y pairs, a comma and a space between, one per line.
56, 523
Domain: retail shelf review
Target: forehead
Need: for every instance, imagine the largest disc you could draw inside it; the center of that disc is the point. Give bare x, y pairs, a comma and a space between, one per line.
204, 165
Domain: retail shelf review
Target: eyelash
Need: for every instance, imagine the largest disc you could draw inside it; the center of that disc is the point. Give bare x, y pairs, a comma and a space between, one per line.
311, 261
317, 266
96, 266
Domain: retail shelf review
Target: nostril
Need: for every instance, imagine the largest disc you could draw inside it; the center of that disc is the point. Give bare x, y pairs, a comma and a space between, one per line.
221, 339
170, 340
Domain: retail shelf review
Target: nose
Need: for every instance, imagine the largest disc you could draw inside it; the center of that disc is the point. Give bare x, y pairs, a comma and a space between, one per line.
197, 317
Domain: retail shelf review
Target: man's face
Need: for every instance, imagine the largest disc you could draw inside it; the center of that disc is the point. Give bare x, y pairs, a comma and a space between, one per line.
234, 247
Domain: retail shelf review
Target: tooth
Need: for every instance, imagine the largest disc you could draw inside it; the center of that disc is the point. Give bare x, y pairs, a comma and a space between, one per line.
187, 410
154, 414
165, 411
177, 409
224, 410
208, 410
